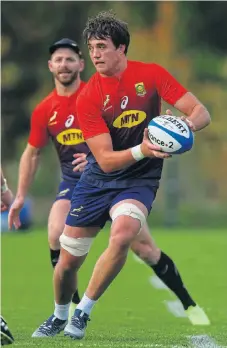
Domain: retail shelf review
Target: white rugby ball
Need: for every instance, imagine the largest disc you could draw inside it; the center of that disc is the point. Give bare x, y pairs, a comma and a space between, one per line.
171, 133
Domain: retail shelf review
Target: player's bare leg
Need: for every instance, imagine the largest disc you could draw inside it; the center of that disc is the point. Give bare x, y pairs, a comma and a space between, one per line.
126, 225
145, 248
124, 229
71, 258
75, 244
56, 224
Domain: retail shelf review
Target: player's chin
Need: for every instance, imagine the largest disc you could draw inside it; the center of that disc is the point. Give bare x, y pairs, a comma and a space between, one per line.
101, 68
65, 80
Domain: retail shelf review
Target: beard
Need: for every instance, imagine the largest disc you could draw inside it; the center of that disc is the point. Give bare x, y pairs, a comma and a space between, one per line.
68, 80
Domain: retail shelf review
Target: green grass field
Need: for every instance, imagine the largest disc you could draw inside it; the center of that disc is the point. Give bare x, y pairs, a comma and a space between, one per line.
131, 313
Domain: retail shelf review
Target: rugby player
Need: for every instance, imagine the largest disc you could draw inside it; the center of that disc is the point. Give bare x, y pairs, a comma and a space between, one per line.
55, 117
44, 126
124, 170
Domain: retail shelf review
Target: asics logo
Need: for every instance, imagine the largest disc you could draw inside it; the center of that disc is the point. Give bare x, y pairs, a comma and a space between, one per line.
124, 102
69, 121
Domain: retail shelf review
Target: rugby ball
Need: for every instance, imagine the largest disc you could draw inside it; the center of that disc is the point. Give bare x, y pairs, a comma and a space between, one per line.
171, 133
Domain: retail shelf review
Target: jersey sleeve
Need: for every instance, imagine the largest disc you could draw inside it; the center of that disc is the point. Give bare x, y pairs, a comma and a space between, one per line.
167, 86
89, 115
38, 136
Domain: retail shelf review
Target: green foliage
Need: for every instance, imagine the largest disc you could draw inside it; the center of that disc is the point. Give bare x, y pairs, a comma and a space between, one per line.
204, 23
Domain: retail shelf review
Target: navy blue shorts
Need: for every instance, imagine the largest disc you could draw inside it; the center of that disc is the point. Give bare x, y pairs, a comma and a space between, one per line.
90, 205
65, 190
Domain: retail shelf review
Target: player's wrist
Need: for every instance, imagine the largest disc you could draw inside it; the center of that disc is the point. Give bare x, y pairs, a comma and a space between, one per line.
4, 186
137, 153
20, 196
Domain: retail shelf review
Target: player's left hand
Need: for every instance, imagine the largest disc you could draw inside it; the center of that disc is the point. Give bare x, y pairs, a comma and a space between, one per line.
189, 123
14, 213
79, 162
185, 119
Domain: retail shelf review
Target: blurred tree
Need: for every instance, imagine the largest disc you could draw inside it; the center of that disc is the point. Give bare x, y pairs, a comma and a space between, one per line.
26, 38
205, 22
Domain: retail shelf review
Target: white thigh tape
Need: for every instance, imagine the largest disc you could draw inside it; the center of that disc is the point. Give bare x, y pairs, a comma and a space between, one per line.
129, 209
76, 246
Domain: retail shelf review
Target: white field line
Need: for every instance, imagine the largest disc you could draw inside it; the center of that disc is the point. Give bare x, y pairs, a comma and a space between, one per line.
137, 345
203, 341
106, 345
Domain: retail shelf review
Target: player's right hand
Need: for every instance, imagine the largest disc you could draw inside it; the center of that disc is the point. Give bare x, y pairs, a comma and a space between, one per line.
150, 150
79, 162
14, 212
6, 199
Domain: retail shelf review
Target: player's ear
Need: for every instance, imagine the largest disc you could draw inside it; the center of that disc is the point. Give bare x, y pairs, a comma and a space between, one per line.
82, 65
122, 49
50, 65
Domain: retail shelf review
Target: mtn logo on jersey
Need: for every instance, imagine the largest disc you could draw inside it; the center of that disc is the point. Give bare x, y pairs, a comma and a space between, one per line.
129, 119
140, 89
71, 136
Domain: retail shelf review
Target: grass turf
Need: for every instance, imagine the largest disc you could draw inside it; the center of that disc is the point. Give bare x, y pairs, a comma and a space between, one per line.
131, 313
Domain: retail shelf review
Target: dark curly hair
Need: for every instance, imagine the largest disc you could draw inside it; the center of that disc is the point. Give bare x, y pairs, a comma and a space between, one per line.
107, 25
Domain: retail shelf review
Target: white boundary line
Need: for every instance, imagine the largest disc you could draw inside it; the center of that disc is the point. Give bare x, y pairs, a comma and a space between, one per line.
203, 341
106, 345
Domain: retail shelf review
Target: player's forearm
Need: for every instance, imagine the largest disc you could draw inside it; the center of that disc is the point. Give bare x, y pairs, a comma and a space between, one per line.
111, 161
200, 117
27, 169
4, 186
2, 178
35, 164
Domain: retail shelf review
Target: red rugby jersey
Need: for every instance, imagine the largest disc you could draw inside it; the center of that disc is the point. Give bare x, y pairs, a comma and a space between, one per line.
123, 106
56, 118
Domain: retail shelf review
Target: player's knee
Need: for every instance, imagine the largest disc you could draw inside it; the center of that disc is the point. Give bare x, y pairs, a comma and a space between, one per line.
123, 232
120, 240
76, 246
131, 210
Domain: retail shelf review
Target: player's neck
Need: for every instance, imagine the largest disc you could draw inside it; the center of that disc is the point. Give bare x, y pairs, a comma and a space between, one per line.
66, 91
